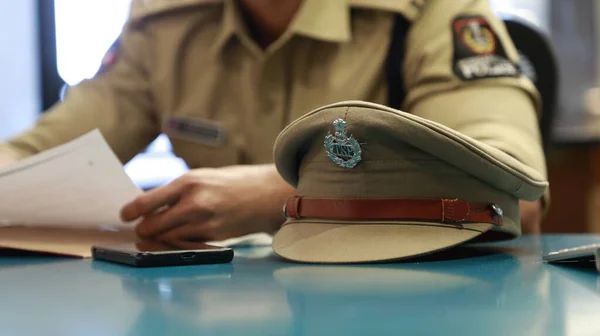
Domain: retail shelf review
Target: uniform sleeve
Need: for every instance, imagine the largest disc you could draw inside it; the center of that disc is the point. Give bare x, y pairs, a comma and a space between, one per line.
117, 101
461, 70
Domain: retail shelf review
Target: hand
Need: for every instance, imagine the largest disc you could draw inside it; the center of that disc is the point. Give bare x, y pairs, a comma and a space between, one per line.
531, 217
153, 245
212, 204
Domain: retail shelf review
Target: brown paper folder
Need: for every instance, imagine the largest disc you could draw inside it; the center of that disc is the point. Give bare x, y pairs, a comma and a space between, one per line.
61, 242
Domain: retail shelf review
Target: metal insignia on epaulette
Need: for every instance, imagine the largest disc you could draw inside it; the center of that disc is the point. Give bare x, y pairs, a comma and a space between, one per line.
343, 151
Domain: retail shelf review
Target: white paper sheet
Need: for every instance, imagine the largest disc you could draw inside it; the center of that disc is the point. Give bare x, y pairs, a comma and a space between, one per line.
80, 184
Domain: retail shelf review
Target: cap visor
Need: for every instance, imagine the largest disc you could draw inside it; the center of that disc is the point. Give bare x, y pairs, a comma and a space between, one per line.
320, 242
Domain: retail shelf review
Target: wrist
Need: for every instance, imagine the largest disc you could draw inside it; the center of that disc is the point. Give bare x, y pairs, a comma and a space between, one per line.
531, 216
281, 191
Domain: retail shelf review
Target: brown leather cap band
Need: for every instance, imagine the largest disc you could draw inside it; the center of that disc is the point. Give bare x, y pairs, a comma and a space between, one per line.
434, 210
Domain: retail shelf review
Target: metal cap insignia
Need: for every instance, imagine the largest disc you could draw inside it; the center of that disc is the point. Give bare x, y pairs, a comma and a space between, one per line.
343, 151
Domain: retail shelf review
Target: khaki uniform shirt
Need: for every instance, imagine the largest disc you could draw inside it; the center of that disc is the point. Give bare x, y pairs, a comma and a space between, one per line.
189, 69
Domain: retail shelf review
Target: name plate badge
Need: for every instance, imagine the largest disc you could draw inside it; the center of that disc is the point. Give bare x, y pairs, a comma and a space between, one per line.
206, 132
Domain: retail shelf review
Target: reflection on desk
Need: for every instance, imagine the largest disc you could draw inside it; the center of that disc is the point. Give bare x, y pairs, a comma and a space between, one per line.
495, 289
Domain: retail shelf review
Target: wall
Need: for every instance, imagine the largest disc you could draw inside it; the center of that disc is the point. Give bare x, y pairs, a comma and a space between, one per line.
19, 92
597, 28
574, 162
535, 11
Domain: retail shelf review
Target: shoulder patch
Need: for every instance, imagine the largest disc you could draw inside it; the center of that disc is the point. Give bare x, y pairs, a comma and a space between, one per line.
478, 52
411, 9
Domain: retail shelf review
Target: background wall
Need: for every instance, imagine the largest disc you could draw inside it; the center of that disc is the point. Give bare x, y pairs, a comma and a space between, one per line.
536, 11
19, 82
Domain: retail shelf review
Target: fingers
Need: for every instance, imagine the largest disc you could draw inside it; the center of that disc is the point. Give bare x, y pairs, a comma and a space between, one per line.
153, 200
184, 211
192, 231
152, 245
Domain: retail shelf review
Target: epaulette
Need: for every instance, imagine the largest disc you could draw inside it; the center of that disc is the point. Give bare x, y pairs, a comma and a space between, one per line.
411, 9
142, 9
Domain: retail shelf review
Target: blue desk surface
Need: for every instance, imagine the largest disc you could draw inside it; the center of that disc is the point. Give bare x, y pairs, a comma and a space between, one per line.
499, 289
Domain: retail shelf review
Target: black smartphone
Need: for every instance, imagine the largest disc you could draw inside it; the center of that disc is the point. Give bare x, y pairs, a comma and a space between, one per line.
156, 254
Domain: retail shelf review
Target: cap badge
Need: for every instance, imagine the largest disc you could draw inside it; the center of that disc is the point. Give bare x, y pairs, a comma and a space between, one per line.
343, 151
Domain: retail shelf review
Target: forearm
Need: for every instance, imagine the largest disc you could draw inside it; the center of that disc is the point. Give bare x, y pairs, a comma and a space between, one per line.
532, 216
122, 116
501, 109
118, 101
279, 191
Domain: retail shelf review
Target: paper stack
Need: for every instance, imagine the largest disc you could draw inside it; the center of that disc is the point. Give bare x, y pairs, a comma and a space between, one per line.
66, 199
